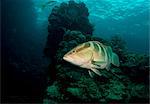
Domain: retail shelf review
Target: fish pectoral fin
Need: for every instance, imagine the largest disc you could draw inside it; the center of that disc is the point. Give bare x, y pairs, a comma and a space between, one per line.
90, 73
98, 63
116, 75
96, 71
108, 67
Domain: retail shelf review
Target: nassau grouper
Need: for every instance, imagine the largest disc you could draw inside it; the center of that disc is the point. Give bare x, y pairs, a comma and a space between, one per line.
92, 55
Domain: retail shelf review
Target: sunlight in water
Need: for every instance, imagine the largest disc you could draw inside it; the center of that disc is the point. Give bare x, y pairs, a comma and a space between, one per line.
103, 9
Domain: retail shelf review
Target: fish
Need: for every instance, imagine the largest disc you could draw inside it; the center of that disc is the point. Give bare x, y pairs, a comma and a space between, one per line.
92, 55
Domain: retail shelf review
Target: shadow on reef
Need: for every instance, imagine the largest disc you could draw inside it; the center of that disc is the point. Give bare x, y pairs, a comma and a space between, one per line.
71, 84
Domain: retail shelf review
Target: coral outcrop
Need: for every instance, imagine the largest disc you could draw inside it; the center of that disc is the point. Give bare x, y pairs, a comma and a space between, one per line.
74, 85
67, 16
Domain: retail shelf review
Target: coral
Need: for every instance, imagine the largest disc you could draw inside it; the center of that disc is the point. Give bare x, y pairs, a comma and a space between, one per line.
67, 16
85, 89
115, 90
89, 87
75, 84
74, 35
77, 92
49, 101
136, 67
136, 59
72, 16
53, 92
138, 90
119, 46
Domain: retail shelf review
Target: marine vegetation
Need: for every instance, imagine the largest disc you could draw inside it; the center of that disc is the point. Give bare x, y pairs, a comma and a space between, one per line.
73, 84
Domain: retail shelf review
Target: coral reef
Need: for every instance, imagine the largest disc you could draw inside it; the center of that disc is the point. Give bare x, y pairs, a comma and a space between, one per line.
73, 84
67, 16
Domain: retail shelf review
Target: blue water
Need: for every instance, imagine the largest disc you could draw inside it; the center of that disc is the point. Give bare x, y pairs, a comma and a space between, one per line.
24, 35
128, 18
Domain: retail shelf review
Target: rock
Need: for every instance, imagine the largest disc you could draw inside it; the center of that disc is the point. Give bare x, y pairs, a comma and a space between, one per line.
53, 91
77, 92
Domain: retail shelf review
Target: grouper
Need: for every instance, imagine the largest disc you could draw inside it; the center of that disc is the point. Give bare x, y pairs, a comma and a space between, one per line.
92, 55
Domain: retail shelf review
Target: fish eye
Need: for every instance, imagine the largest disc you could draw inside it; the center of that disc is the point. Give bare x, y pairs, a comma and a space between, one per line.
73, 51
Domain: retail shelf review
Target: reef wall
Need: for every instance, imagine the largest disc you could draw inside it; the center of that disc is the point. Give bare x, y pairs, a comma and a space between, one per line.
62, 18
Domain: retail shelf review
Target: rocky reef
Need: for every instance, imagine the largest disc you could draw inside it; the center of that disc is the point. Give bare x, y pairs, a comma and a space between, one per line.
72, 16
73, 84
62, 18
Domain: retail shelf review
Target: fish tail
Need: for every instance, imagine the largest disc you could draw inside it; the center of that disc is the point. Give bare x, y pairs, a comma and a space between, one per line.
115, 59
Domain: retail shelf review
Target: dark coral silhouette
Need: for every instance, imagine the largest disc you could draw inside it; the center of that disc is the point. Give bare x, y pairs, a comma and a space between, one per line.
67, 16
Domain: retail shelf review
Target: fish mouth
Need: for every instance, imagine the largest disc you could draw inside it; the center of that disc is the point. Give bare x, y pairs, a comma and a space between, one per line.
66, 58
72, 61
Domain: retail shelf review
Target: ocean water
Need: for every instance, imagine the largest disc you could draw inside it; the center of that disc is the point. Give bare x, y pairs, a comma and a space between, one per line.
128, 18
24, 34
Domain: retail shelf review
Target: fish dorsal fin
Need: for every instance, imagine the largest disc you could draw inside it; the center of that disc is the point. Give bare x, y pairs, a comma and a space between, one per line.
86, 45
82, 46
96, 46
115, 59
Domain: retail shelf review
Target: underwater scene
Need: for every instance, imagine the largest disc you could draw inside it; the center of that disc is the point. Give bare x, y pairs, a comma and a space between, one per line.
75, 51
